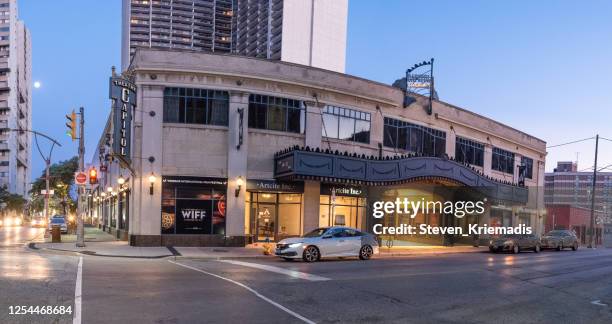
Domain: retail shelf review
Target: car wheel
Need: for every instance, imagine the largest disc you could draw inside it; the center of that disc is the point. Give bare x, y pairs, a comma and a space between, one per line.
515, 249
366, 252
288, 259
575, 246
311, 254
559, 247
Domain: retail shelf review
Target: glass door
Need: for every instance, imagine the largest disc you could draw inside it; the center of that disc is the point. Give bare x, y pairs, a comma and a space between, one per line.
266, 221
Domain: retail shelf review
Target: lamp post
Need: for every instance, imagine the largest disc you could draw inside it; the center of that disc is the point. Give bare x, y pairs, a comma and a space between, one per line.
47, 160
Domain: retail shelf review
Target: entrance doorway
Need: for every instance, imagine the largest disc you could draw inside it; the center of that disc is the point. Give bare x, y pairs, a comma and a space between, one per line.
274, 216
265, 222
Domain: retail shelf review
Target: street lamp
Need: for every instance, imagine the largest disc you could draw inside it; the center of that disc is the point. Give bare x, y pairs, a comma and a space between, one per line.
239, 183
121, 180
152, 180
109, 189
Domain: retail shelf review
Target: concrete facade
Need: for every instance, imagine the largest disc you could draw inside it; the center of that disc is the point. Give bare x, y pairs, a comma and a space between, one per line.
195, 150
15, 100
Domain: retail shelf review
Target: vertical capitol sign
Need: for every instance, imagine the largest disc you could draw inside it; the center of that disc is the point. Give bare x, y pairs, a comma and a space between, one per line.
123, 96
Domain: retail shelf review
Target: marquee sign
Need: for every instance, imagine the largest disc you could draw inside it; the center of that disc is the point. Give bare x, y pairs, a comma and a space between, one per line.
123, 95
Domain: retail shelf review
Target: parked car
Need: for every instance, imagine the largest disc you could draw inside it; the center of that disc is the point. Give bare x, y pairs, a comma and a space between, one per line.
560, 239
324, 242
59, 221
515, 243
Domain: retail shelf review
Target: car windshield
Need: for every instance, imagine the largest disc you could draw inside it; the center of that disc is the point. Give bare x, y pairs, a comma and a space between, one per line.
57, 221
316, 233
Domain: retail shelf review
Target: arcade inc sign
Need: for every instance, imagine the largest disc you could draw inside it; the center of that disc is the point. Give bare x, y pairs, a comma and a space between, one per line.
123, 96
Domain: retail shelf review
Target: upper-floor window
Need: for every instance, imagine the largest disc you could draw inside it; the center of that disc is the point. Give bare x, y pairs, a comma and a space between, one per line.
502, 160
196, 106
346, 124
4, 29
528, 167
468, 151
274, 113
415, 138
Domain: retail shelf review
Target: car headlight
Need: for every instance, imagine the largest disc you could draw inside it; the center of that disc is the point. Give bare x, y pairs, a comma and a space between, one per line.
294, 245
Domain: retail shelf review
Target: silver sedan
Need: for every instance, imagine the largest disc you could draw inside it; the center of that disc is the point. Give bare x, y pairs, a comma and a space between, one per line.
335, 241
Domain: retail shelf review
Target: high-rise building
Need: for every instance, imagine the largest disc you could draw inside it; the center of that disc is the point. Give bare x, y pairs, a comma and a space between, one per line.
568, 186
308, 32
15, 100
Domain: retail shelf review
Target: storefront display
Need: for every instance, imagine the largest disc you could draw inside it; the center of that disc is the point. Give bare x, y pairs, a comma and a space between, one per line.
273, 209
193, 205
342, 206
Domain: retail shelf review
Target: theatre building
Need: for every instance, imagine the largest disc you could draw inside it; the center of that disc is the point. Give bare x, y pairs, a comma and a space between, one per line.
230, 150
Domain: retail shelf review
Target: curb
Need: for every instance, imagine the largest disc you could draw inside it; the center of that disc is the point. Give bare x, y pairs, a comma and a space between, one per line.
33, 246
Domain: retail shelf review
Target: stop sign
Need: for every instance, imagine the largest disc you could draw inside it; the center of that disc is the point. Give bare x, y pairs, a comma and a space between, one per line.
80, 178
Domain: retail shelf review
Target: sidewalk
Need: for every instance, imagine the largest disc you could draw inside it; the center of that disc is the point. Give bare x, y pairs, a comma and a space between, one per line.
92, 234
122, 249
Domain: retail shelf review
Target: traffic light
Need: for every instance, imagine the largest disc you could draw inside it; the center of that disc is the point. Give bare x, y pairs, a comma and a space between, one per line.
71, 124
93, 176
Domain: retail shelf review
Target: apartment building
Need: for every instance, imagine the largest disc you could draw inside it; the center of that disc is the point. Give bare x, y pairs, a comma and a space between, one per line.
15, 100
569, 186
308, 32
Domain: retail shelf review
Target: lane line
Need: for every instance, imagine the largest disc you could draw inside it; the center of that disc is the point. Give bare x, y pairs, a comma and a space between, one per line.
290, 273
76, 319
598, 303
255, 292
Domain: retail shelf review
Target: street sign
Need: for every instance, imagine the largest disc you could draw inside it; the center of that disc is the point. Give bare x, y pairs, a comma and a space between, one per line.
44, 192
80, 178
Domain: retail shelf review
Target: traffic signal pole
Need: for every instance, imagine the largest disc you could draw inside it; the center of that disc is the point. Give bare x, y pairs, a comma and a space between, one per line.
81, 193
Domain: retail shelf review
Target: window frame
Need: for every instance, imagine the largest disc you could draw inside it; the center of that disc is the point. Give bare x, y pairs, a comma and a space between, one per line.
340, 115
182, 105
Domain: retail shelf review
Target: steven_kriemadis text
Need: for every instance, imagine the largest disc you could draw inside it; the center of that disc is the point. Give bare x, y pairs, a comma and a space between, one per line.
457, 208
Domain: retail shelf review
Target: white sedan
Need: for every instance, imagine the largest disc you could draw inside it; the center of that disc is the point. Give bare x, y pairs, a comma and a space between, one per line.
335, 241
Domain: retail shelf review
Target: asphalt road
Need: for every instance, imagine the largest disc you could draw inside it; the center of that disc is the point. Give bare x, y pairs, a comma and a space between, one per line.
549, 287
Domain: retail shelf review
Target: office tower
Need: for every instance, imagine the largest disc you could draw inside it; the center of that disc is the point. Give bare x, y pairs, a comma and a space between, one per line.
15, 100
308, 32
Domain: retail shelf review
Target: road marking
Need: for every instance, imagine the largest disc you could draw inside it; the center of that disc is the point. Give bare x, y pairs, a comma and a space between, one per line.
255, 292
290, 273
598, 303
76, 319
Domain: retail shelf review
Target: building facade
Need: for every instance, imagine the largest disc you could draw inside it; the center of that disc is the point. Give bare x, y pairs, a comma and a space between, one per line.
15, 100
567, 186
577, 219
309, 32
228, 150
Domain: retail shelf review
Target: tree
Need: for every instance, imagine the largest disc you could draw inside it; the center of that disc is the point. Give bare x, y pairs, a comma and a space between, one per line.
13, 202
61, 180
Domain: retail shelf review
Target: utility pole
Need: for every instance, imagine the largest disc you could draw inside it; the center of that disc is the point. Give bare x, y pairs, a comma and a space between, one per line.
592, 227
80, 204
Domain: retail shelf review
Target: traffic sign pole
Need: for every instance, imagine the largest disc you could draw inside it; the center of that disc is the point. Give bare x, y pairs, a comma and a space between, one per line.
82, 176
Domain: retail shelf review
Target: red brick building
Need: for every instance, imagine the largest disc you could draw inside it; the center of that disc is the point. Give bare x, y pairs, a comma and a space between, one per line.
574, 218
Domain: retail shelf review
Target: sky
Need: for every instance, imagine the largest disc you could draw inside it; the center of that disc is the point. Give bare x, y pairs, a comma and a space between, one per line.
542, 67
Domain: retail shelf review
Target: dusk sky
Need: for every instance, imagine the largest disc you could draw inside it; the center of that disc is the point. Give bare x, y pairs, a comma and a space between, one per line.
542, 67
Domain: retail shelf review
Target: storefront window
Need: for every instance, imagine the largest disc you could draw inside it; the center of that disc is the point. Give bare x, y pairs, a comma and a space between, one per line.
124, 210
341, 210
275, 216
193, 205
